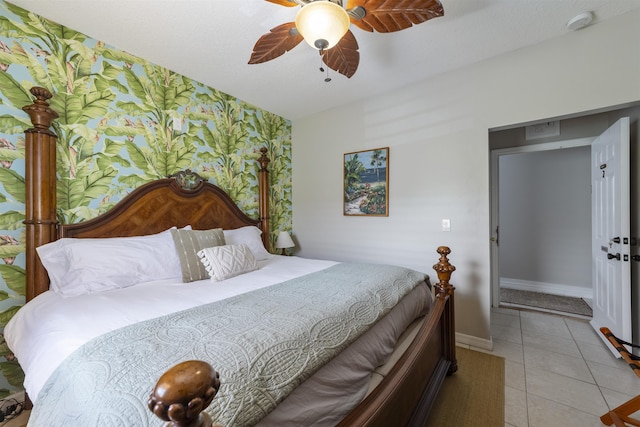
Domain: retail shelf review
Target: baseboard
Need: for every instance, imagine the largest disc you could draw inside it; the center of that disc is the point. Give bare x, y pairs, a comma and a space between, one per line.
547, 288
474, 341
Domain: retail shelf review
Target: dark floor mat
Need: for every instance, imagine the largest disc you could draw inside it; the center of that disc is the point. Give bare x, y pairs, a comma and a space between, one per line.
545, 301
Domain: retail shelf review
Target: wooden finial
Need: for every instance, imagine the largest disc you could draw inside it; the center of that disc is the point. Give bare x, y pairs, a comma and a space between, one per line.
183, 392
264, 159
41, 115
444, 270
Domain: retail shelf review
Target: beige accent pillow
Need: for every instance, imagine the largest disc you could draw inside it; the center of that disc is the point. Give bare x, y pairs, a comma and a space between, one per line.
223, 262
188, 243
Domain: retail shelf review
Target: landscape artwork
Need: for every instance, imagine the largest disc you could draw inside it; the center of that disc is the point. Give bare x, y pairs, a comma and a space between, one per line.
366, 182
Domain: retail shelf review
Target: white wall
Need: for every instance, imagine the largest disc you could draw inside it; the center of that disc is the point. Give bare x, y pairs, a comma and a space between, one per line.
437, 132
545, 219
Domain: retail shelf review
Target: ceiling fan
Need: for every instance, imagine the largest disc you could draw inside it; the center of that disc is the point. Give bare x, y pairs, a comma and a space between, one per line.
324, 25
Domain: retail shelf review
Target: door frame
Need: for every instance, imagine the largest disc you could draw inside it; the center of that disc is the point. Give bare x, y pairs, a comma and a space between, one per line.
494, 162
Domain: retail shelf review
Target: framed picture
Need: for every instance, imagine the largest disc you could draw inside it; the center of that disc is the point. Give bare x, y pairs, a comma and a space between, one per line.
366, 182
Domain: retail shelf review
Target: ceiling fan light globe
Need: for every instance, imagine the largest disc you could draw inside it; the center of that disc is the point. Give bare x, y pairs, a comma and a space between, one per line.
322, 23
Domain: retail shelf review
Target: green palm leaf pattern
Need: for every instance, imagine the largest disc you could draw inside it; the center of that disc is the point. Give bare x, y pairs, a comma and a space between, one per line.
122, 122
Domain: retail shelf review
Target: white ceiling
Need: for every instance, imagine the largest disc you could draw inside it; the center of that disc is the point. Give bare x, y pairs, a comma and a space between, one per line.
211, 41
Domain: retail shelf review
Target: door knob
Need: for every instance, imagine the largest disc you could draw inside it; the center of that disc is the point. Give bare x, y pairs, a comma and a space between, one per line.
636, 257
612, 256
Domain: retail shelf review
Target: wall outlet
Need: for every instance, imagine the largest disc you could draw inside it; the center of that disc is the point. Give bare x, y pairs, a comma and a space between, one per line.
446, 225
177, 124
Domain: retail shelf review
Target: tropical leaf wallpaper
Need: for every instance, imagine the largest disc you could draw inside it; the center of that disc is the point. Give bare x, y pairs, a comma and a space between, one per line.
123, 122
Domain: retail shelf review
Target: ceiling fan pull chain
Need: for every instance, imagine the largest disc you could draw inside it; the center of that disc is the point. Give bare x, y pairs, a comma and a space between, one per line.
327, 79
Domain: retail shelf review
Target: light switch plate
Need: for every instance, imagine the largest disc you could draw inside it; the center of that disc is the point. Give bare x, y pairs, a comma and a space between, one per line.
446, 225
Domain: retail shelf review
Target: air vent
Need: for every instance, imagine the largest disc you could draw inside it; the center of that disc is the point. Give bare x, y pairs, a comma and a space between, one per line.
542, 130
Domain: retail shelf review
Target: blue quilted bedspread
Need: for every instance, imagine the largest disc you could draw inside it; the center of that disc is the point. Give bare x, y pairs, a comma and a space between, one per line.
263, 344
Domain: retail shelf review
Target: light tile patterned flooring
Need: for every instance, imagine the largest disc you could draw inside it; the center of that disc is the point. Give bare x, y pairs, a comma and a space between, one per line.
558, 372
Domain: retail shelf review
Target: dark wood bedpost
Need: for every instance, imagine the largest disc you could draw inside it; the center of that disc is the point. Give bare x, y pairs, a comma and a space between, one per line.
263, 198
183, 392
445, 289
40, 188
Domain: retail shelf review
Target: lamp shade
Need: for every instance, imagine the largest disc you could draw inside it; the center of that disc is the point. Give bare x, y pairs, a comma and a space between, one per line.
284, 241
322, 23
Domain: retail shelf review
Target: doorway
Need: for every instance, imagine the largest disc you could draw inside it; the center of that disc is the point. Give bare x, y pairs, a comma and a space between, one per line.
542, 200
572, 127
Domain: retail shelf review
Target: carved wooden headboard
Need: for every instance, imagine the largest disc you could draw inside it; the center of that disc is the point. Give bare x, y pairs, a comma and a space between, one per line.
182, 199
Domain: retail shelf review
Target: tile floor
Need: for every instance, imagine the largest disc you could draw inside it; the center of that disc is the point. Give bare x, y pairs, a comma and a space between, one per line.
558, 372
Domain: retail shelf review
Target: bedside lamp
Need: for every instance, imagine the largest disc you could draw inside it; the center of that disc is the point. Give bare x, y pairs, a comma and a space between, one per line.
284, 242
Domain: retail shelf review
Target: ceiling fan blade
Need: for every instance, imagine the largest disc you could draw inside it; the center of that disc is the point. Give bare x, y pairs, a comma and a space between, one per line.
387, 16
343, 57
286, 3
277, 41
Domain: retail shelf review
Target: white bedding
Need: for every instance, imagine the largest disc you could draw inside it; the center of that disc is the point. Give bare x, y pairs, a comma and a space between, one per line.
41, 346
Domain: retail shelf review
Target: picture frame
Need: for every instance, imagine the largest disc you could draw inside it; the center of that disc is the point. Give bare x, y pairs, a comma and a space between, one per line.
366, 183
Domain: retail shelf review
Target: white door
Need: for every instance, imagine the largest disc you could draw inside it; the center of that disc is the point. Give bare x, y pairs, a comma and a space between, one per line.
610, 198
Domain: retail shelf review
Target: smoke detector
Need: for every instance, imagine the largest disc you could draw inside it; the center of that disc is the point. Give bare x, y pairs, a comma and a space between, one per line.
580, 21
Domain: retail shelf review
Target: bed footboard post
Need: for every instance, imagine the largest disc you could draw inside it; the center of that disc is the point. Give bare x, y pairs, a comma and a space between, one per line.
40, 188
183, 393
445, 289
263, 198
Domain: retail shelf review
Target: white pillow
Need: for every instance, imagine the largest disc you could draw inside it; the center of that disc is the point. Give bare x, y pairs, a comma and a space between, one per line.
223, 262
82, 266
250, 236
55, 261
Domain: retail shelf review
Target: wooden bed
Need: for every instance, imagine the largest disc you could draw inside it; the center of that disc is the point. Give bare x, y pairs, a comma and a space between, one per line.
407, 392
